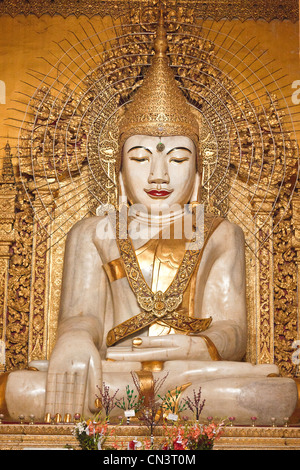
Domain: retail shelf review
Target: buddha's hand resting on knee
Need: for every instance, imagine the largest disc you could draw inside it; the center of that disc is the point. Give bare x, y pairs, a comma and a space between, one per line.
73, 375
162, 348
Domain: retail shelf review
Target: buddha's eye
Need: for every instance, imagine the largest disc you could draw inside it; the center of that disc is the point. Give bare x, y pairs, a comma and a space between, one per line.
179, 160
139, 159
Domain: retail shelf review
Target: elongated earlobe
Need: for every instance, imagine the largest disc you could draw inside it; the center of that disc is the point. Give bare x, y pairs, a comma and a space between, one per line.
122, 196
195, 196
122, 192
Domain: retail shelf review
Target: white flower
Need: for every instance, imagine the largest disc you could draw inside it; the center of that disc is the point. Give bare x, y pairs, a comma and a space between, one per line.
80, 427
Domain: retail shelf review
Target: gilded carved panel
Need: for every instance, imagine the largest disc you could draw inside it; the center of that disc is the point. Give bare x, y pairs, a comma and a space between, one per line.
241, 9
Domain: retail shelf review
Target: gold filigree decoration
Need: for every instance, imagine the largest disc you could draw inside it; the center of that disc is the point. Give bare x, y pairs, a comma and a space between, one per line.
18, 303
268, 150
206, 9
285, 289
165, 110
166, 304
54, 142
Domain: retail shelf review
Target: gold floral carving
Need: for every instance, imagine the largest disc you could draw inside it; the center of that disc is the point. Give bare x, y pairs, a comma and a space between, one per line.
240, 9
18, 291
38, 314
7, 238
264, 273
286, 287
3, 302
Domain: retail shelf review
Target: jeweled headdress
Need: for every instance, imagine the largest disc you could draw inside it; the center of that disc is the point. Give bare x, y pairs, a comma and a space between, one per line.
159, 108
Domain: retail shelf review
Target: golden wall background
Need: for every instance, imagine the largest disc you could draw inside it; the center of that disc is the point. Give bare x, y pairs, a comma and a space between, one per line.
25, 41
31, 261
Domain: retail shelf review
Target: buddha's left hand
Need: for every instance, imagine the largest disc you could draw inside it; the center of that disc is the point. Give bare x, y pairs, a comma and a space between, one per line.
162, 348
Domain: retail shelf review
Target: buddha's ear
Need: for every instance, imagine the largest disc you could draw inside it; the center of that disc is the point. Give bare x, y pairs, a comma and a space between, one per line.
195, 196
122, 192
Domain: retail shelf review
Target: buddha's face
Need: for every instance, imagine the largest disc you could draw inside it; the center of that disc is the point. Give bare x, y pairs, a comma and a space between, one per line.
158, 171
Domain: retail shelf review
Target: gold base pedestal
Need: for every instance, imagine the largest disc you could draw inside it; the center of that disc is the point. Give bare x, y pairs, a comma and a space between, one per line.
259, 438
59, 436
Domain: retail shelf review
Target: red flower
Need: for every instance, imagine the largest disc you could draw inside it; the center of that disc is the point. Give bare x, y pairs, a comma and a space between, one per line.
131, 445
178, 444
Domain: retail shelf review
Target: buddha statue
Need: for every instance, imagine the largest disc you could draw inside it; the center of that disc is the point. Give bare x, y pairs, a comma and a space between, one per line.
157, 287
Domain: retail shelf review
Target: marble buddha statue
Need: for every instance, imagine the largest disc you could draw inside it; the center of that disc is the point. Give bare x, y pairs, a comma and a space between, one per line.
136, 296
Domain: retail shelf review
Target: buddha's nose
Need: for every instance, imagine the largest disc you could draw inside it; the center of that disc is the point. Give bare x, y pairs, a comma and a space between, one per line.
158, 171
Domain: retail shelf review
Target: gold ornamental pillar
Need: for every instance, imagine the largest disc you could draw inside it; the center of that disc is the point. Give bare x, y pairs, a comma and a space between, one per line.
295, 419
43, 207
7, 217
262, 205
296, 245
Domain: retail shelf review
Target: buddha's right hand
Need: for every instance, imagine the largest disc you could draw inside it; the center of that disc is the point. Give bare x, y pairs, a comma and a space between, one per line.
73, 375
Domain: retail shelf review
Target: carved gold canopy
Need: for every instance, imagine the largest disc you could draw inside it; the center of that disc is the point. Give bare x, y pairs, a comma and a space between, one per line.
67, 147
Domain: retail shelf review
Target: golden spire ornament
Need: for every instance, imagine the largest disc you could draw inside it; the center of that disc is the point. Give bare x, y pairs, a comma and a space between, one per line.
159, 107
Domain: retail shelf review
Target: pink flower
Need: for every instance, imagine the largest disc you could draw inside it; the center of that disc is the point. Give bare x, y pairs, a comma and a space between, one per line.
90, 430
147, 444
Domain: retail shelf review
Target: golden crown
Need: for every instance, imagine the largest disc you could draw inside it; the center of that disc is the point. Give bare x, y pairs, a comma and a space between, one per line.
159, 108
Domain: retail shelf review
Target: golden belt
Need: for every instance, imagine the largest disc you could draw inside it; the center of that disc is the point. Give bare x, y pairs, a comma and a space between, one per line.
177, 320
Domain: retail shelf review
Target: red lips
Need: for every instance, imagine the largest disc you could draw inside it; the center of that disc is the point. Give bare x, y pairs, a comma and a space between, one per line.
158, 193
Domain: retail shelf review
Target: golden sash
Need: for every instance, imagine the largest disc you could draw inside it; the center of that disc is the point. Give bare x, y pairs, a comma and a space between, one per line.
161, 305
